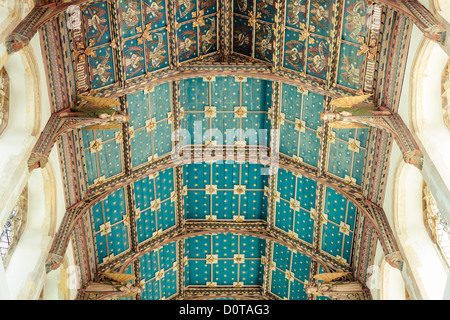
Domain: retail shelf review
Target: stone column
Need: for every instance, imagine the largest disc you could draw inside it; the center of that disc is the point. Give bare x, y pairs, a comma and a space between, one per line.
43, 12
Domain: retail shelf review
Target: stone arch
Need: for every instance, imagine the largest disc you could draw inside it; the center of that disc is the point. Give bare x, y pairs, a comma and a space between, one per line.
24, 122
425, 268
26, 269
427, 120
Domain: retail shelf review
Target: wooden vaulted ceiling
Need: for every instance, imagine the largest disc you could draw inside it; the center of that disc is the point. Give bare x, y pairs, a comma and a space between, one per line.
184, 222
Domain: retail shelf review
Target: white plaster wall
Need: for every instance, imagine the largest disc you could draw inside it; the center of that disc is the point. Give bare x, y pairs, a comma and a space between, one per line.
442, 8
16, 141
425, 264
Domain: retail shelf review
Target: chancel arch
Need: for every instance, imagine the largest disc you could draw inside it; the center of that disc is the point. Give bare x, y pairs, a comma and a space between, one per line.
25, 270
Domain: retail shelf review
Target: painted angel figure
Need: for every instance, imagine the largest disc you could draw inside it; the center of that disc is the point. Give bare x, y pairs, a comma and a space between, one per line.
101, 69
98, 107
208, 39
320, 14
96, 21
156, 56
352, 106
335, 121
350, 73
241, 37
206, 4
295, 8
318, 59
129, 14
188, 5
134, 60
188, 45
242, 5
153, 11
337, 285
112, 286
414, 157
265, 41
294, 56
263, 4
355, 20
358, 106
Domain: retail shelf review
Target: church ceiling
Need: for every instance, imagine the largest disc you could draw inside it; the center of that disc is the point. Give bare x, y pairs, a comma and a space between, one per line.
223, 190
209, 223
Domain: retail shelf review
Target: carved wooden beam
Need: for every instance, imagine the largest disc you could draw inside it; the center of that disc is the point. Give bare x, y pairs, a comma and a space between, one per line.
225, 28
201, 293
198, 228
244, 154
77, 211
394, 125
219, 69
423, 19
373, 212
43, 12
56, 126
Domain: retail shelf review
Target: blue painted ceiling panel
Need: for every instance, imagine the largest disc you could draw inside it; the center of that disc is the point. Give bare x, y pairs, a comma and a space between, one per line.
159, 269
150, 128
155, 207
290, 273
224, 260
347, 151
111, 226
225, 191
338, 229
